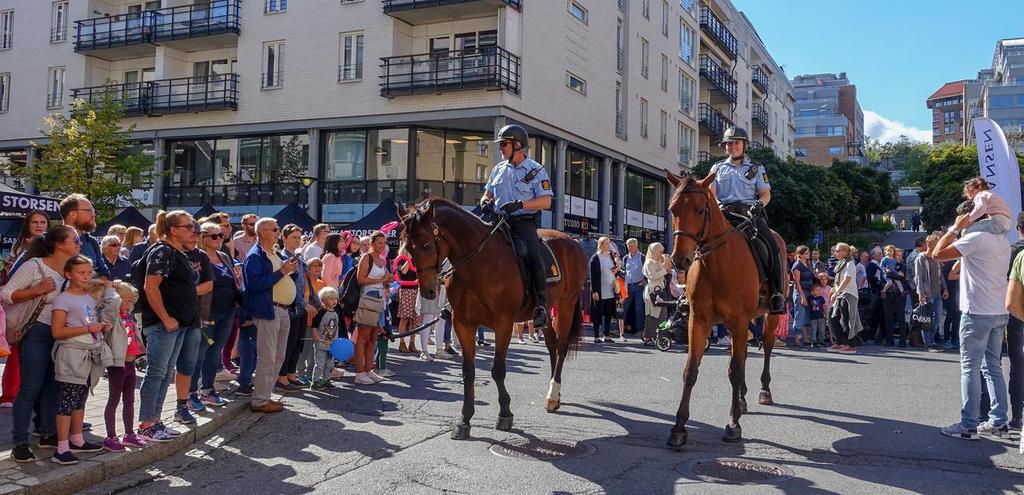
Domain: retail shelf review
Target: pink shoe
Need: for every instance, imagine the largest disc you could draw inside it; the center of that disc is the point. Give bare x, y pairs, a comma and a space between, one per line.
134, 440
112, 445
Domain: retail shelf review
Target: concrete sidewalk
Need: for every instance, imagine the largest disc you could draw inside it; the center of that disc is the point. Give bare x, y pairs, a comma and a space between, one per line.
43, 476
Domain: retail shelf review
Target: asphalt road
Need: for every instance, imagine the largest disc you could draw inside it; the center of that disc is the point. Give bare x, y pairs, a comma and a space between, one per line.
843, 424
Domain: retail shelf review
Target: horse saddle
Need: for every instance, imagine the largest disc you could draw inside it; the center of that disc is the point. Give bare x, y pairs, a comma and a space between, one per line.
737, 215
551, 266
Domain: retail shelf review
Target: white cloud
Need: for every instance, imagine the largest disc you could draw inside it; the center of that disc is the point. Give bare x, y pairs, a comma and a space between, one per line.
885, 130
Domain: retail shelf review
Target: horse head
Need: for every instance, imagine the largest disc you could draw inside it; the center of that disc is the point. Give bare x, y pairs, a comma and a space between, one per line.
422, 239
691, 208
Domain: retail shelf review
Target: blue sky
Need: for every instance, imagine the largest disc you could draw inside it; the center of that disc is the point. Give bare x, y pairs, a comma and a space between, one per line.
897, 52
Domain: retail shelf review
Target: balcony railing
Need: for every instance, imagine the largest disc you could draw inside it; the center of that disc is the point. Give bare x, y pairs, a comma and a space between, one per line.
394, 5
149, 26
715, 28
271, 80
713, 121
759, 116
760, 80
718, 77
704, 156
488, 68
185, 94
241, 194
620, 124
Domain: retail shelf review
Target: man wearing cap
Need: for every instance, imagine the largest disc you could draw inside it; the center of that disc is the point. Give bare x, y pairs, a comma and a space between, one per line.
519, 188
742, 187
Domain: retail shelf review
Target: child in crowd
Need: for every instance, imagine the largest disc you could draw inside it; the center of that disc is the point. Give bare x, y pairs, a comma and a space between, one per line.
816, 307
823, 281
429, 310
80, 353
125, 346
326, 327
990, 212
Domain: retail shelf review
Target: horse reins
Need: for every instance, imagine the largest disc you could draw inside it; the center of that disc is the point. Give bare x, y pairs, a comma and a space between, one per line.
447, 274
705, 247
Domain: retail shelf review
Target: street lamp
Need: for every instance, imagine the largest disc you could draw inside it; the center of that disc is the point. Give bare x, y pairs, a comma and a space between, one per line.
307, 180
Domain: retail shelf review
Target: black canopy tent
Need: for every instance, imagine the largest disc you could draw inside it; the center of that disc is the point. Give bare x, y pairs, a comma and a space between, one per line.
293, 213
205, 211
386, 212
129, 217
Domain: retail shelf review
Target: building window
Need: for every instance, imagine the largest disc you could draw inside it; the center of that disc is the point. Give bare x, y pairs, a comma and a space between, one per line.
582, 175
835, 150
273, 64
686, 90
645, 8
686, 140
59, 22
687, 5
55, 88
622, 6
643, 118
576, 83
949, 129
273, 6
620, 115
663, 140
801, 152
351, 68
664, 72
452, 165
6, 29
620, 50
576, 10
664, 17
645, 55
5, 91
948, 117
685, 42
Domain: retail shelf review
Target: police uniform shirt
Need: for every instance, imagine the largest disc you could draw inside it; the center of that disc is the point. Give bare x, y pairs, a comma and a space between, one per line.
732, 184
507, 184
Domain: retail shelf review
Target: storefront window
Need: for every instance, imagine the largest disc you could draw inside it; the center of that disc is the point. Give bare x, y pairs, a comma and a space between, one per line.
285, 158
453, 165
390, 157
346, 156
10, 160
645, 208
192, 163
582, 176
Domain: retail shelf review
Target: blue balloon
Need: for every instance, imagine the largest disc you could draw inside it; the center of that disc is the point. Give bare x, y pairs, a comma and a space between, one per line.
342, 349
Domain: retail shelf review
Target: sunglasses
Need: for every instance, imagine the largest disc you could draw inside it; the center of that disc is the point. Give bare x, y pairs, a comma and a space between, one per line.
77, 240
214, 236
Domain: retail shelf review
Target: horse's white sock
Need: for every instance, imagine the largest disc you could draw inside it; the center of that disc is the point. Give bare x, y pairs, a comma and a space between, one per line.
554, 390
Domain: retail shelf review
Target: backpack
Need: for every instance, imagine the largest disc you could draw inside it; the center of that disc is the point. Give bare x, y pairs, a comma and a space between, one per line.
349, 300
137, 277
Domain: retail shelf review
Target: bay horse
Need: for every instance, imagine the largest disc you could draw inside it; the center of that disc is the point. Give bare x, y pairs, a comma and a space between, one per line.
722, 286
486, 289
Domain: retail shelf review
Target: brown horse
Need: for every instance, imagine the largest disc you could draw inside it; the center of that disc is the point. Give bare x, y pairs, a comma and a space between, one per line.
486, 289
722, 286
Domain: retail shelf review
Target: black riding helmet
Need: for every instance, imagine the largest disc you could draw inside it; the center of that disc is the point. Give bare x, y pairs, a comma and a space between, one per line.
516, 133
734, 133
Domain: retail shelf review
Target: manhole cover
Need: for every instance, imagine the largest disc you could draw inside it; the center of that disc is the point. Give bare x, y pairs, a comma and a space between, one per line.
541, 450
732, 470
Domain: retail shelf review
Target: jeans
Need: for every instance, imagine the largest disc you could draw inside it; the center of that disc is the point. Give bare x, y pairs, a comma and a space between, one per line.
208, 358
162, 350
996, 224
246, 354
1015, 348
817, 333
37, 383
951, 308
938, 313
189, 354
324, 364
801, 315
981, 342
447, 331
893, 317
634, 302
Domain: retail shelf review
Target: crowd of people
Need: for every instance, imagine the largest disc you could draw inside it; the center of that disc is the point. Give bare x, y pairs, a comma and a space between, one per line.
191, 303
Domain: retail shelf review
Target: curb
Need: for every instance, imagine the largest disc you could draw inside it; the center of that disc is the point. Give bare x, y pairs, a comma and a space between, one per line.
107, 465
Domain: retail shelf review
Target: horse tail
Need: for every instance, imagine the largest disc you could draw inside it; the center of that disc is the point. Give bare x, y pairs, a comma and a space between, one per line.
576, 329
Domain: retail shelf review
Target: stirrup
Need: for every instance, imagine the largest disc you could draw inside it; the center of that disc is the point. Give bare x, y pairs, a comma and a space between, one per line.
540, 316
776, 304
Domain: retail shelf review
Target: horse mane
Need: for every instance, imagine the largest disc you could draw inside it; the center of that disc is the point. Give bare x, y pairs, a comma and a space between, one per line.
430, 206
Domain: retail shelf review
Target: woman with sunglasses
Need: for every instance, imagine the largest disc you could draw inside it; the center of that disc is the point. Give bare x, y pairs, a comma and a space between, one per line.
110, 247
218, 317
41, 275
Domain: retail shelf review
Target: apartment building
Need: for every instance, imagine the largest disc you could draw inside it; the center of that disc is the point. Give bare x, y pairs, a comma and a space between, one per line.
252, 105
740, 84
949, 106
999, 92
829, 120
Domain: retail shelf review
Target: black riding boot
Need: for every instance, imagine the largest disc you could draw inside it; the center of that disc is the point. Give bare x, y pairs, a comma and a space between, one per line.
525, 229
777, 277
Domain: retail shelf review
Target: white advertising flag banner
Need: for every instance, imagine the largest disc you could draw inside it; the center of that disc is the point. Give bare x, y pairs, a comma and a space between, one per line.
999, 167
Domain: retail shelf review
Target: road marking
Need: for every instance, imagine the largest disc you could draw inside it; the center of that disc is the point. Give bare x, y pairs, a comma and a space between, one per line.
666, 379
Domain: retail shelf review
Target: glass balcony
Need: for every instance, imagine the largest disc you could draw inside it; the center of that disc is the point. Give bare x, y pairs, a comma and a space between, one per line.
132, 35
716, 30
723, 86
165, 96
480, 68
415, 12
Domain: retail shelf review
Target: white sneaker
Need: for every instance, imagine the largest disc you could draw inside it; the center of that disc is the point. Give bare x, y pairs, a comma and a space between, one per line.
442, 354
385, 373
426, 357
521, 341
535, 339
989, 428
364, 379
375, 377
337, 373
225, 376
725, 341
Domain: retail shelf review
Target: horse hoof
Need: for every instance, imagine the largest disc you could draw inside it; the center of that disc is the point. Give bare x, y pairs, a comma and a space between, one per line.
504, 423
733, 434
677, 439
460, 432
765, 398
552, 405
743, 406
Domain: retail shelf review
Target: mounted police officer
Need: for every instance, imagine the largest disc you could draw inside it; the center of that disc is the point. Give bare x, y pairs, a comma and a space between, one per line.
519, 188
742, 188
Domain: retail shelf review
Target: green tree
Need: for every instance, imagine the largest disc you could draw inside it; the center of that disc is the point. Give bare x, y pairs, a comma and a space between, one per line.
89, 153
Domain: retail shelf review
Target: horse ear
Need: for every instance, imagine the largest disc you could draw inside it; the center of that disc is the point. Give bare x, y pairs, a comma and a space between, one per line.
706, 182
672, 178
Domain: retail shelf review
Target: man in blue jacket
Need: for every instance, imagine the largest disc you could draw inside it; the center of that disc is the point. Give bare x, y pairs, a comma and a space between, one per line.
269, 293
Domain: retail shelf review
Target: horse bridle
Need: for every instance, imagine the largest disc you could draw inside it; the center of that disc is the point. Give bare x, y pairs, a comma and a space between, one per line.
438, 236
704, 247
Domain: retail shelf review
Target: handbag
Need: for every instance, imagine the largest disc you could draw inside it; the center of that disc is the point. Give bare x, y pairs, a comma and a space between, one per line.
22, 315
368, 311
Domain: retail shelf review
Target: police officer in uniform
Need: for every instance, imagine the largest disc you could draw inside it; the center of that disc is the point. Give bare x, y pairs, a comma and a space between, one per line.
519, 188
742, 187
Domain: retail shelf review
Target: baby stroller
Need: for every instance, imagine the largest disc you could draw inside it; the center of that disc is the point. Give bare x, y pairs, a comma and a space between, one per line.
676, 328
